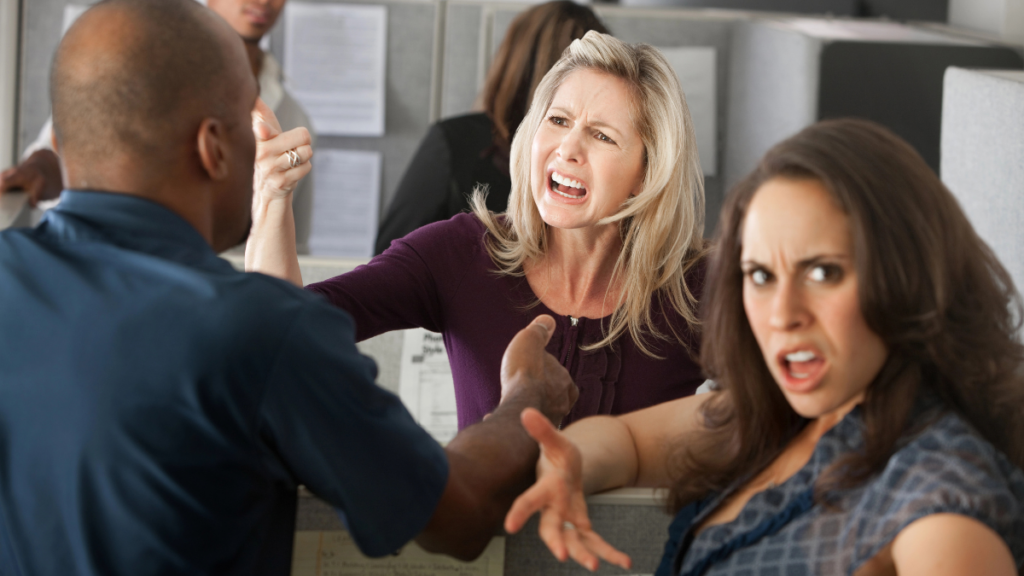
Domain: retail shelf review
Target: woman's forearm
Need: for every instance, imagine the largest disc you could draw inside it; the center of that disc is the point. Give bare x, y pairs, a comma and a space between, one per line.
608, 451
635, 449
271, 245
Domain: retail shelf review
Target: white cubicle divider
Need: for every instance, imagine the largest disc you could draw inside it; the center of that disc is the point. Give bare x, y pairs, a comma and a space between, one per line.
634, 520
983, 157
789, 73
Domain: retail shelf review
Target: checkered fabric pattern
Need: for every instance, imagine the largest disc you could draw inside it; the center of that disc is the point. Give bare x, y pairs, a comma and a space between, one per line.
947, 468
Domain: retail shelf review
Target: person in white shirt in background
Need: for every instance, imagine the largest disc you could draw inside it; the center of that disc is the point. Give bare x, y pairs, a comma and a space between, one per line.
39, 171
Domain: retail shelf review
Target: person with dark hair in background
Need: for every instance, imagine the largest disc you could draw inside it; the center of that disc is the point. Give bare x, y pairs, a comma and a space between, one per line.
158, 408
39, 171
868, 413
461, 153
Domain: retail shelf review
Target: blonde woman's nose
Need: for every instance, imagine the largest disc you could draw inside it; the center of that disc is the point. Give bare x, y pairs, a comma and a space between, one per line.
570, 149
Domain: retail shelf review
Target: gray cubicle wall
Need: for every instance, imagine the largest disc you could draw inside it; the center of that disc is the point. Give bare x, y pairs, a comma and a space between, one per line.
635, 524
983, 157
784, 78
414, 36
474, 30
41, 22
412, 84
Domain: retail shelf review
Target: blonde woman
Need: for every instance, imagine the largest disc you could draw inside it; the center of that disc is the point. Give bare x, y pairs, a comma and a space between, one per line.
604, 231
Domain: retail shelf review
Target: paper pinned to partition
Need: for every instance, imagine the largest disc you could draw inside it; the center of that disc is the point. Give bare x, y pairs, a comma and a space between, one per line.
346, 202
425, 384
71, 13
334, 553
695, 68
334, 64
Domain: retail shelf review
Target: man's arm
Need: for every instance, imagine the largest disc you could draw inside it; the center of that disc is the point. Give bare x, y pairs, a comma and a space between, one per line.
492, 462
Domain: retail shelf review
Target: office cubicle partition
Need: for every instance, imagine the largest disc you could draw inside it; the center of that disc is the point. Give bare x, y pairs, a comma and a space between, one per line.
789, 73
414, 44
983, 157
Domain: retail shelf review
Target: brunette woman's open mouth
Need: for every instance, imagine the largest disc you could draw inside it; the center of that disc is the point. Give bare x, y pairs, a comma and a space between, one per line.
802, 368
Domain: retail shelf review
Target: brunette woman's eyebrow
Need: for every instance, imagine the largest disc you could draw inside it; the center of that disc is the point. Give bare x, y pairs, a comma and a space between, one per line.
820, 259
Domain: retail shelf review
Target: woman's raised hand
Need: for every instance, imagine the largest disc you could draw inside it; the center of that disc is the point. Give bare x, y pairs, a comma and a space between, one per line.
282, 159
558, 496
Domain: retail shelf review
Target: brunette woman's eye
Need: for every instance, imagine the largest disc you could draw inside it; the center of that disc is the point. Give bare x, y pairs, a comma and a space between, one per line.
825, 273
759, 276
604, 138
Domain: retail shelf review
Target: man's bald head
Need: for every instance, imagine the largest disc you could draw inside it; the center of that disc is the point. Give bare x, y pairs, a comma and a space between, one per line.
136, 78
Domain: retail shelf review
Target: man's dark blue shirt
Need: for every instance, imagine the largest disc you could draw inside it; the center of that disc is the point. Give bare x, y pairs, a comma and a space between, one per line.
158, 408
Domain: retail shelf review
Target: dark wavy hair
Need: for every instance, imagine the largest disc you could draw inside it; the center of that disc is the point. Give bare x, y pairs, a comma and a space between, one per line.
929, 287
535, 40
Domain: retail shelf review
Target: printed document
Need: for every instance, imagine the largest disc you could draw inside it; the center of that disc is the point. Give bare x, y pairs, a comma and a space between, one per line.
334, 63
345, 203
425, 384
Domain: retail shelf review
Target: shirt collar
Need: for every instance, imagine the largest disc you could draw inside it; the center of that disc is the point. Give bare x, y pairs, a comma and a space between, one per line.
129, 221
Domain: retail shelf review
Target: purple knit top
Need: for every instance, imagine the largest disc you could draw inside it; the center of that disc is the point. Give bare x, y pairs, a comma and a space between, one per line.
440, 277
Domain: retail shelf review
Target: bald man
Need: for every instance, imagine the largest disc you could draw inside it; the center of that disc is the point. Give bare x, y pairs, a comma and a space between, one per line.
159, 409
39, 171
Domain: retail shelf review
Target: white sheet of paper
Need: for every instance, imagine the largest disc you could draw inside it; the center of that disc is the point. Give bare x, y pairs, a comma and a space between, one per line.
345, 203
71, 13
695, 68
425, 383
334, 63
334, 553
869, 31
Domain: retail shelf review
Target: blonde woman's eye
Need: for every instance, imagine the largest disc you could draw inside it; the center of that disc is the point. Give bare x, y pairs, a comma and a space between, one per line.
601, 136
558, 120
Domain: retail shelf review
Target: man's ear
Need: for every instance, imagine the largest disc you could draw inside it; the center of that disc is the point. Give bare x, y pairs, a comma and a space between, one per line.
213, 150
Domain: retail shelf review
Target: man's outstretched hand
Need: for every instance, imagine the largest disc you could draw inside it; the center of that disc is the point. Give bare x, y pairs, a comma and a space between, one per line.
527, 367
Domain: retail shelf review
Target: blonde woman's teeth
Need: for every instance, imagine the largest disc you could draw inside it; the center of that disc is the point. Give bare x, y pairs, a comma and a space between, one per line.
566, 181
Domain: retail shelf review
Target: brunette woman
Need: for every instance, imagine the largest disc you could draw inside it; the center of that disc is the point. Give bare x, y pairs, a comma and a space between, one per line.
868, 412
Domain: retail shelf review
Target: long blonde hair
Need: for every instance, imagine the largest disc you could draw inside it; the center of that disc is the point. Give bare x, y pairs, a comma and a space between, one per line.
661, 227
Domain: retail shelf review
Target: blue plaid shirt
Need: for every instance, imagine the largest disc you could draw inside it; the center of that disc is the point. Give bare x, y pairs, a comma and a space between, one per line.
947, 468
